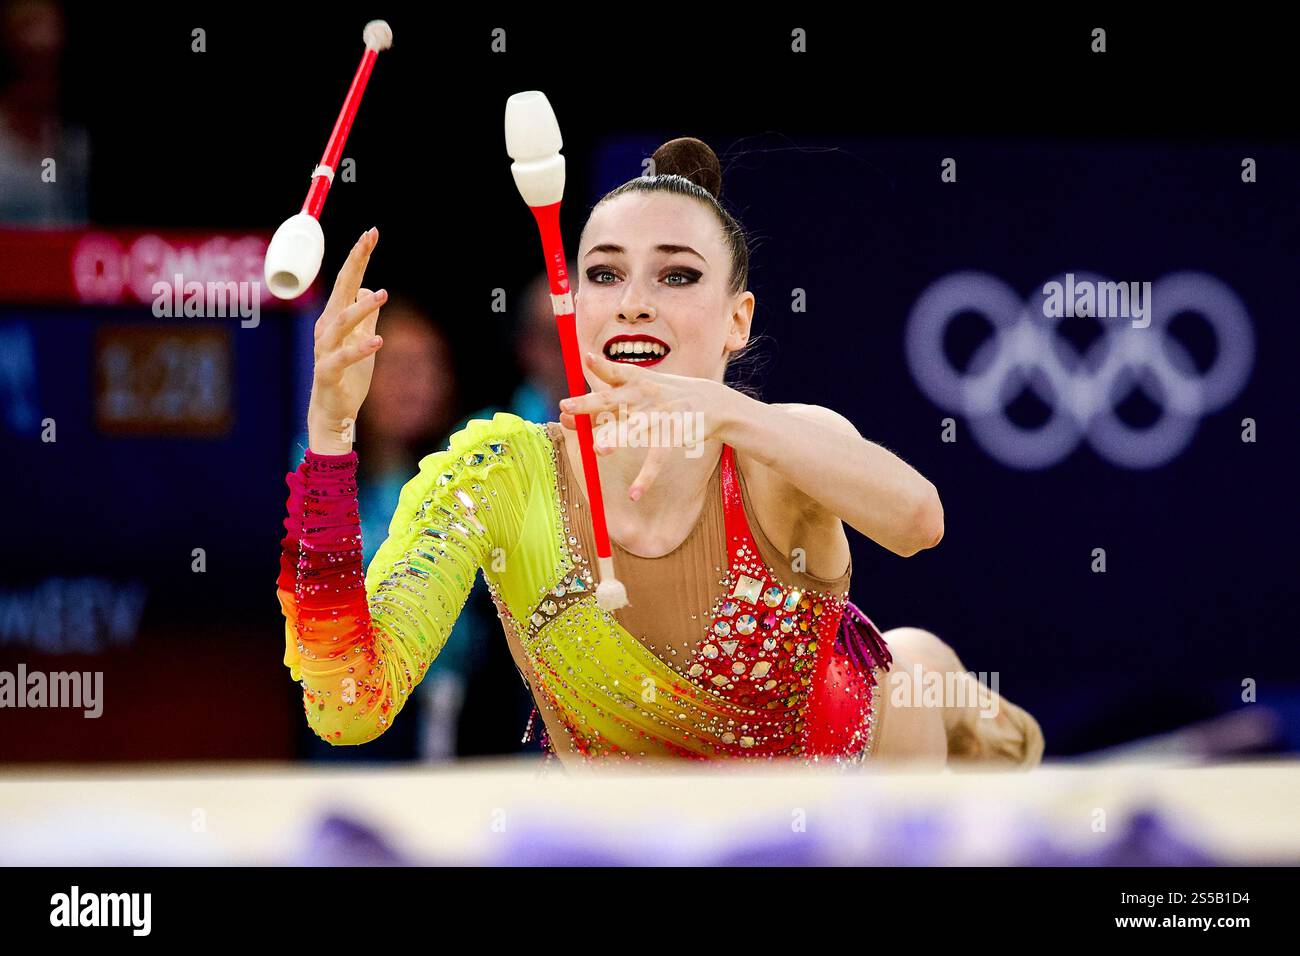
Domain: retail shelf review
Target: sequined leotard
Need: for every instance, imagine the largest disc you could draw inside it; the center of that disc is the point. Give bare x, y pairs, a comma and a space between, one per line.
778, 670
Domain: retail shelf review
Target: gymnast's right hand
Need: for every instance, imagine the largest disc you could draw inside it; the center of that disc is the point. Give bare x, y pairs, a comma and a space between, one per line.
346, 344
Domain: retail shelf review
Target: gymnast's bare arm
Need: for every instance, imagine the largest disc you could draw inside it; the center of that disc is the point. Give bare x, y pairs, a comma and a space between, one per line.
839, 474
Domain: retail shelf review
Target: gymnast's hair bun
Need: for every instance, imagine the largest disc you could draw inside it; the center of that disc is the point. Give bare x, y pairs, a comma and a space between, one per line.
693, 159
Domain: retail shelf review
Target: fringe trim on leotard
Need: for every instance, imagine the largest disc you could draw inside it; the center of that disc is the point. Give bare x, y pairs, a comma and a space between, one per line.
861, 641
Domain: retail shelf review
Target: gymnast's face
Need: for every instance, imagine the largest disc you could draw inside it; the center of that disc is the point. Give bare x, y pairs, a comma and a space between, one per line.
653, 274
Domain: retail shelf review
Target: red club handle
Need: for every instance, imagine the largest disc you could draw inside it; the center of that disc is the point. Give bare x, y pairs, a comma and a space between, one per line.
320, 184
548, 224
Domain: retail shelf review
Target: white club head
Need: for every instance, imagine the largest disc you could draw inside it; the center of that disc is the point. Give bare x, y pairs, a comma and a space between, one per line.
377, 35
533, 142
293, 258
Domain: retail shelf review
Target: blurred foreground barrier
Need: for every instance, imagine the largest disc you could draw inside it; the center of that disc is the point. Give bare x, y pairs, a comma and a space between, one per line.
516, 812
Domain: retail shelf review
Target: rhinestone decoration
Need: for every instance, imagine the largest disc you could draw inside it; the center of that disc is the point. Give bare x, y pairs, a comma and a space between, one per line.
747, 690
747, 588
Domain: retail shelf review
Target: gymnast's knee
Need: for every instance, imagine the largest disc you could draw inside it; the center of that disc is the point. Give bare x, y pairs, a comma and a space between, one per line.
932, 652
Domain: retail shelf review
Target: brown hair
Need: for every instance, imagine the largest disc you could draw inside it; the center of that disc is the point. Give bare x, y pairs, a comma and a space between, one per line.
687, 166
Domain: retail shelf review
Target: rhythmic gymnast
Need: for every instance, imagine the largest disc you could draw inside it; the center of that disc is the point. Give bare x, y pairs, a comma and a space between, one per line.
738, 639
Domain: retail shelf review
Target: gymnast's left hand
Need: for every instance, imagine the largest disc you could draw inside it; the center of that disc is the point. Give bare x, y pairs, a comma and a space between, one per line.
688, 413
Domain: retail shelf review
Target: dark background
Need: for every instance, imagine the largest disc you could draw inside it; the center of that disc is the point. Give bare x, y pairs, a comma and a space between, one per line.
1126, 164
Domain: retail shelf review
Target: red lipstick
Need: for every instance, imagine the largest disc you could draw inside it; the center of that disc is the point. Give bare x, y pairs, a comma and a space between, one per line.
652, 350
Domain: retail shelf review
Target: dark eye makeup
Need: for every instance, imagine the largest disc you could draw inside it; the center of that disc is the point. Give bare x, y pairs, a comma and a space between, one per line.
686, 274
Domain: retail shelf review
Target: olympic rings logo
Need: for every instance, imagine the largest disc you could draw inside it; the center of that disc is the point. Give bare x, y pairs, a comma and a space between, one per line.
1082, 391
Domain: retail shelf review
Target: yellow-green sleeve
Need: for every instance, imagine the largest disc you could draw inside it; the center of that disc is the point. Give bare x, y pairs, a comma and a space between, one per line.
358, 644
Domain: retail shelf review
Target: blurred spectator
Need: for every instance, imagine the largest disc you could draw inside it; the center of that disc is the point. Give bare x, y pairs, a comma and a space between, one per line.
44, 160
407, 414
537, 349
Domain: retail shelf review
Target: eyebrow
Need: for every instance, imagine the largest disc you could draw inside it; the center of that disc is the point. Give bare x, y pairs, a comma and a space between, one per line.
617, 250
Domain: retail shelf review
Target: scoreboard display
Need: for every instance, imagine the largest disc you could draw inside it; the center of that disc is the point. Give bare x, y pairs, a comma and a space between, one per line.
163, 381
146, 447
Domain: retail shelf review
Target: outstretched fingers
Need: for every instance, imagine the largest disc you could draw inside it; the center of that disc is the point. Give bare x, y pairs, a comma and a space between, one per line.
348, 281
650, 469
344, 357
615, 373
363, 313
